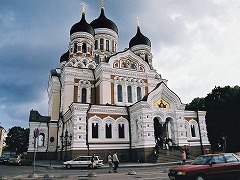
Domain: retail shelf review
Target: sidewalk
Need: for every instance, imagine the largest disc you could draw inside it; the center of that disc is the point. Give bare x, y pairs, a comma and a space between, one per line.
58, 164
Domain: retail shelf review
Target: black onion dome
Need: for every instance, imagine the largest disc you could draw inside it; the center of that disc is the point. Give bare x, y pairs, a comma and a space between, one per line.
64, 57
103, 22
82, 26
139, 38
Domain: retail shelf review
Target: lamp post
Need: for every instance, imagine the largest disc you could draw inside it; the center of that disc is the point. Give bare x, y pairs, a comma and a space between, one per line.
66, 141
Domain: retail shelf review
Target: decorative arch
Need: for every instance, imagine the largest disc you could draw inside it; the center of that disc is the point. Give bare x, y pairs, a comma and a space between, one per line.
95, 124
193, 129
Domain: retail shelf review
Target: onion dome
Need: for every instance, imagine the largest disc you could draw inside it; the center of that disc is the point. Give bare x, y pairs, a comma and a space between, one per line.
82, 26
64, 57
138, 39
103, 22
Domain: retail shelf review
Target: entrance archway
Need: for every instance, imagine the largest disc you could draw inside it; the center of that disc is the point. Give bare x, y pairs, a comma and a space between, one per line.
162, 129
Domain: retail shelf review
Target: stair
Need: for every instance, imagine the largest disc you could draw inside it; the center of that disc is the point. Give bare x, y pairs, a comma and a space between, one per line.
174, 156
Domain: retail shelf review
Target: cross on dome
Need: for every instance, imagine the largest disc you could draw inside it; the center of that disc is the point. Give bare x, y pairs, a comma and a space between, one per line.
102, 4
83, 7
138, 23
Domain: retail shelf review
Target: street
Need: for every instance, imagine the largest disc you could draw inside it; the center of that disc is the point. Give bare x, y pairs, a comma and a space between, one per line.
22, 172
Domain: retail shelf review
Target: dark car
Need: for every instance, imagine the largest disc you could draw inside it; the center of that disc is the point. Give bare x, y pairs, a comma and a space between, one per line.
20, 160
210, 166
4, 158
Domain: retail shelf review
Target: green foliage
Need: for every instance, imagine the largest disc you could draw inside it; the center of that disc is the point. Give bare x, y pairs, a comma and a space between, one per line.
223, 115
196, 104
18, 139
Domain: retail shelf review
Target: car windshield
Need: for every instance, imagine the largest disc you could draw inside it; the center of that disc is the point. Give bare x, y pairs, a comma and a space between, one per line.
201, 160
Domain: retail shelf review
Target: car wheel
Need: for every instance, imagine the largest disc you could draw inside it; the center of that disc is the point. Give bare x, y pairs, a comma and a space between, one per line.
68, 166
200, 177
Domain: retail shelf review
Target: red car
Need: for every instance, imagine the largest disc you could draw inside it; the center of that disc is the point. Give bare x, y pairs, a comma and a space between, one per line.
210, 166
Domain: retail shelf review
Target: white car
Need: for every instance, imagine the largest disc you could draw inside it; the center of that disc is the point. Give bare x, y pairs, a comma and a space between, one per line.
83, 161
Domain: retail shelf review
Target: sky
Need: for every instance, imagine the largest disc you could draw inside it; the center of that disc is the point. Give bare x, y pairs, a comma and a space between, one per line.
195, 45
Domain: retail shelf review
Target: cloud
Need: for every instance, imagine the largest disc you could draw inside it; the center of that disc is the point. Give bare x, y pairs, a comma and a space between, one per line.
195, 45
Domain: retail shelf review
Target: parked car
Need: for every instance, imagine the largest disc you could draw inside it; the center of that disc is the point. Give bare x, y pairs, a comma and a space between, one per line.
83, 161
210, 166
20, 160
4, 158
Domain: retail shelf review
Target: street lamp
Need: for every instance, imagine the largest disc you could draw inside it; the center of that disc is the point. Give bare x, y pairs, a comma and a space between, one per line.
66, 141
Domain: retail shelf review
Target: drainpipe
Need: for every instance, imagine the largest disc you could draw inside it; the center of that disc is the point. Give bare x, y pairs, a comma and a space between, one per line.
87, 128
130, 134
95, 89
200, 134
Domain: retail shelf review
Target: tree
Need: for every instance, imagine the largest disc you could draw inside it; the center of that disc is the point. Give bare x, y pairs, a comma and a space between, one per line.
223, 115
196, 104
18, 139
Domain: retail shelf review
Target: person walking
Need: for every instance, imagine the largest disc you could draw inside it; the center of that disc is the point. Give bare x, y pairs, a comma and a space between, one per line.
93, 161
110, 162
184, 157
115, 161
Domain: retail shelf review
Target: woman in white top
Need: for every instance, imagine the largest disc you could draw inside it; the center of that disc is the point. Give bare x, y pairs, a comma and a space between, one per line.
110, 162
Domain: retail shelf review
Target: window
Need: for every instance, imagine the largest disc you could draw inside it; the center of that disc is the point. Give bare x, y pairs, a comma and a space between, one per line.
146, 58
96, 44
84, 48
129, 93
139, 94
84, 95
119, 92
101, 44
41, 139
193, 131
121, 131
108, 129
230, 158
75, 48
107, 45
218, 159
94, 130
97, 58
113, 48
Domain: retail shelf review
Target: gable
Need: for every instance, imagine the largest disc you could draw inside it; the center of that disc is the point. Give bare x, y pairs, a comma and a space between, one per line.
127, 60
162, 97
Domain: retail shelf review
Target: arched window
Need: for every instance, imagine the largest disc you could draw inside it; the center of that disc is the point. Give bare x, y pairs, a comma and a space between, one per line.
94, 130
146, 58
84, 48
121, 131
108, 129
139, 94
129, 93
75, 48
96, 44
41, 139
193, 132
97, 58
101, 44
119, 92
107, 45
84, 95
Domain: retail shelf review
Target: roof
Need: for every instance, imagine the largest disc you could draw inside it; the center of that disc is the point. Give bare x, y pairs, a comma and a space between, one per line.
36, 117
103, 22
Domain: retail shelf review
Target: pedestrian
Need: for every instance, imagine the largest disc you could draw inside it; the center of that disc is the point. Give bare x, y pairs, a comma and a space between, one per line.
183, 157
110, 162
170, 144
167, 148
93, 161
115, 161
186, 149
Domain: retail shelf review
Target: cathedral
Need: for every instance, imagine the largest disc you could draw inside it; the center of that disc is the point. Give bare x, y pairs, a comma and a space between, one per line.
103, 100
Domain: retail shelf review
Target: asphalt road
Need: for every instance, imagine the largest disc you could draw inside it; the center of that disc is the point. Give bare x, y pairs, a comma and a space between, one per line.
26, 172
